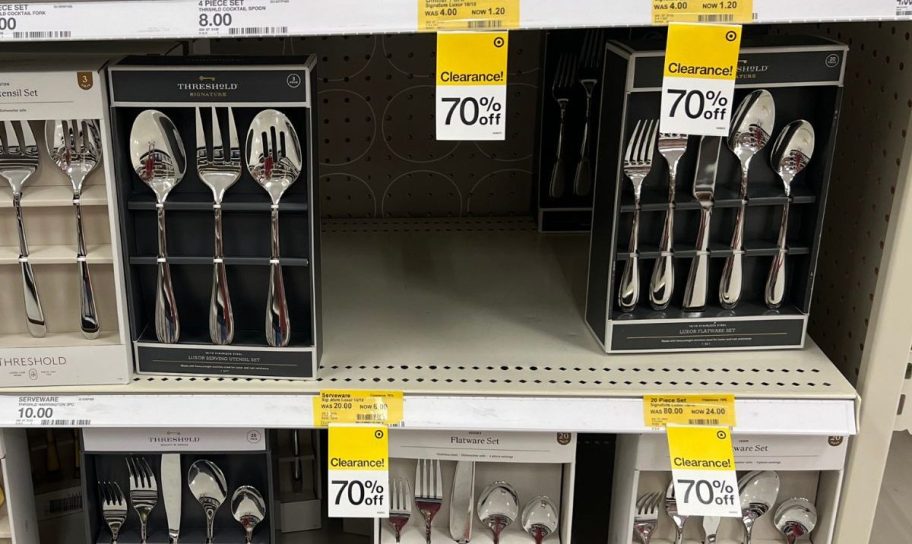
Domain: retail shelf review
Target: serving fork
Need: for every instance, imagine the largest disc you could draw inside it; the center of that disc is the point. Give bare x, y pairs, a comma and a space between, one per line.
637, 164
400, 505
18, 161
671, 508
113, 507
590, 60
561, 89
672, 147
428, 492
646, 517
143, 491
219, 171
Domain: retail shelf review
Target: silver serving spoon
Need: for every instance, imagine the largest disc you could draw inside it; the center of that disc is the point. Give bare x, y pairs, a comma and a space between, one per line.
75, 147
274, 159
750, 131
758, 494
791, 153
158, 158
249, 509
207, 483
795, 518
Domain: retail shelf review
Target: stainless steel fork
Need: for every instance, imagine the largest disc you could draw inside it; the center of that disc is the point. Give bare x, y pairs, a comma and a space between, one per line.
593, 50
428, 492
219, 172
672, 147
646, 516
400, 505
18, 161
113, 507
561, 89
143, 491
637, 164
671, 508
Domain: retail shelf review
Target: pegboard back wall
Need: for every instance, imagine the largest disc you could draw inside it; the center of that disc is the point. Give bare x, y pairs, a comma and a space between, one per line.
377, 148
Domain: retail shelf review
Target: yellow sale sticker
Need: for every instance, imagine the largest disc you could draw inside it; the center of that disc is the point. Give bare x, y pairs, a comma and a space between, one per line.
662, 410
703, 51
467, 14
700, 448
702, 11
472, 58
703, 471
358, 471
354, 406
358, 447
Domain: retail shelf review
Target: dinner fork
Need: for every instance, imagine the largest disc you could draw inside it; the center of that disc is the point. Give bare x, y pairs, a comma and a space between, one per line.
647, 515
428, 492
671, 508
113, 507
590, 60
400, 505
219, 172
672, 147
143, 491
18, 161
561, 89
637, 164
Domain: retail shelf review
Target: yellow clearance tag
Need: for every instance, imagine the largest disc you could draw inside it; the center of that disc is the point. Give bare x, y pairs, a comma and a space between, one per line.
702, 11
467, 14
352, 406
703, 471
358, 471
661, 410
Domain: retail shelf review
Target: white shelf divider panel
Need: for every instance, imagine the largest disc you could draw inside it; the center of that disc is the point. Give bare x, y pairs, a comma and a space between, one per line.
479, 322
178, 19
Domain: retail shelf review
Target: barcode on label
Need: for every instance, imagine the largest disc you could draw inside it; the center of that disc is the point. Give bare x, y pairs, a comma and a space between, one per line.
65, 505
702, 421
716, 18
486, 23
42, 34
369, 418
257, 30
65, 422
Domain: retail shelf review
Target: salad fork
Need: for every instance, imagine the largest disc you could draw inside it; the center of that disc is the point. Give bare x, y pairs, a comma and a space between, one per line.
591, 54
646, 516
671, 508
561, 89
672, 147
113, 507
219, 172
400, 505
637, 164
143, 491
18, 161
428, 492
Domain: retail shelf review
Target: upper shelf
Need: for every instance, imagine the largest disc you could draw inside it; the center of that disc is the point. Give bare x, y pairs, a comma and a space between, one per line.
180, 19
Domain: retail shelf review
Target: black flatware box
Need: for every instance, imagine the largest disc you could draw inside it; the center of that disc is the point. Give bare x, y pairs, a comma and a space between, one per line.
805, 77
177, 86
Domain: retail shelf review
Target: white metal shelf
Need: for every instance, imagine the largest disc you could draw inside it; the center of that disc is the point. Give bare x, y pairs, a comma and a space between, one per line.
479, 322
178, 19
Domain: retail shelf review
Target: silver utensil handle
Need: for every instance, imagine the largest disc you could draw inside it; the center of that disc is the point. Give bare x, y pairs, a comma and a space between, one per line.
35, 322
142, 532
88, 315
582, 178
210, 523
695, 292
167, 323
172, 537
277, 320
221, 317
710, 539
662, 284
629, 290
296, 453
775, 282
558, 170
730, 286
679, 536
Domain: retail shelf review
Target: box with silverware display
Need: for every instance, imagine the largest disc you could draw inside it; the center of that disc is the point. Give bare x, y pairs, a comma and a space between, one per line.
462, 486
59, 251
217, 197
711, 243
788, 488
168, 485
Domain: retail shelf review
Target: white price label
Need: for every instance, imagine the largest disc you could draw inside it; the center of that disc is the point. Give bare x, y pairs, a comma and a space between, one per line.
34, 22
52, 411
358, 471
699, 83
243, 17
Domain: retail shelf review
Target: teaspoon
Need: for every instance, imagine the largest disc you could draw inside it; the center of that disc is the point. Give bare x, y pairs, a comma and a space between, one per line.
795, 518
248, 508
207, 483
758, 494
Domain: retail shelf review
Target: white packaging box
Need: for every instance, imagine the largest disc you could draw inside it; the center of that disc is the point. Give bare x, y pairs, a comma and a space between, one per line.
36, 91
533, 463
809, 466
172, 440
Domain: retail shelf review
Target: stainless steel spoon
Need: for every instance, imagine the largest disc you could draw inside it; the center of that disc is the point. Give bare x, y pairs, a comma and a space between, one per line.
274, 159
248, 508
791, 153
750, 131
795, 518
75, 147
207, 483
158, 158
758, 494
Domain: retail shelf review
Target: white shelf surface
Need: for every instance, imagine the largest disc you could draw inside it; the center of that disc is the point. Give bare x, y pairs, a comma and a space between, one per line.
480, 323
178, 19
893, 522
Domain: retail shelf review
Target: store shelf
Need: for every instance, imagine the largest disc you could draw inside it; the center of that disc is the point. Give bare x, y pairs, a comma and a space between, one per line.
893, 521
179, 19
479, 323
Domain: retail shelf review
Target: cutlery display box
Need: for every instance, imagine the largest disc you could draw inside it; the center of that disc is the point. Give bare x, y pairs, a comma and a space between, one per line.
243, 456
534, 464
299, 479
805, 78
178, 88
31, 94
809, 467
